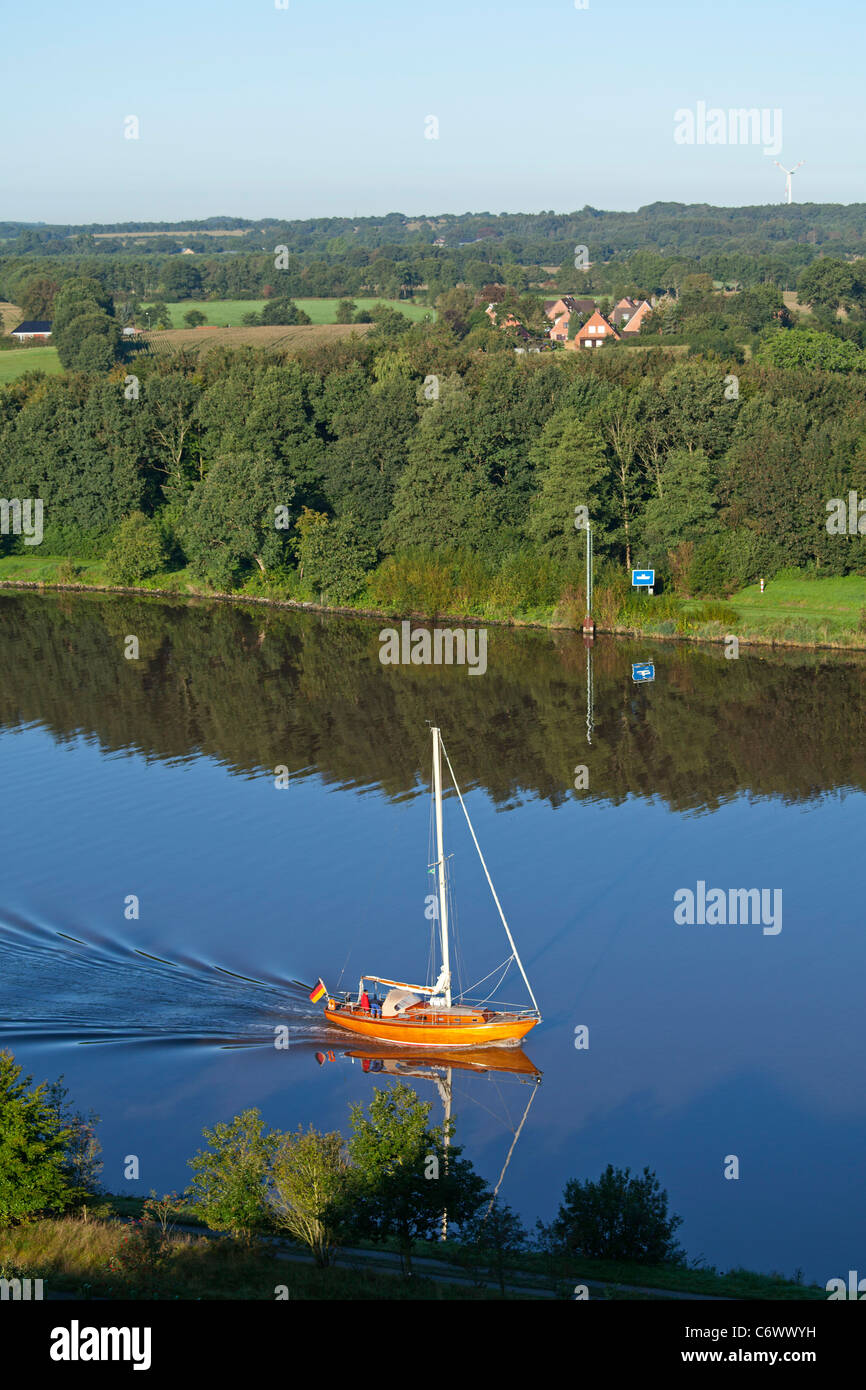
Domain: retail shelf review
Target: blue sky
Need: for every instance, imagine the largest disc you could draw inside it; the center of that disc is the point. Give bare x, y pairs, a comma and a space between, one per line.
320, 109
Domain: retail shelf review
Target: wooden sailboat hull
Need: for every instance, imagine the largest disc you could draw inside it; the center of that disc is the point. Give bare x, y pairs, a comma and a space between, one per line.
502, 1031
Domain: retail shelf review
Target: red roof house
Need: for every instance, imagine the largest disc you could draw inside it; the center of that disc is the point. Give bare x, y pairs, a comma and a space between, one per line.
596, 331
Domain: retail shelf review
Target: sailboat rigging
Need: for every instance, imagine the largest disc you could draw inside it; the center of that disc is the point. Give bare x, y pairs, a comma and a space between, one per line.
428, 1015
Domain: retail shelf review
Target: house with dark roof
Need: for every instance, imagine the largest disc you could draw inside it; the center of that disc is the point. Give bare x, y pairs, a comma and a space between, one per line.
623, 310
567, 314
32, 328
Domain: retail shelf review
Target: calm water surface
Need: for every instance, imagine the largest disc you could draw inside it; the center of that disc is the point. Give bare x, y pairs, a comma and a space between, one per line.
157, 778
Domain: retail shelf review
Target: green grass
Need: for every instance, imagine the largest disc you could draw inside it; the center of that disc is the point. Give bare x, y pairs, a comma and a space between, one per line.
229, 313
838, 597
36, 568
18, 361
86, 1257
735, 1283
803, 610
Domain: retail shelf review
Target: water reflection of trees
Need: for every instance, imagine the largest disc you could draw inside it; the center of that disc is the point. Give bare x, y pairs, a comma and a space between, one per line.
258, 687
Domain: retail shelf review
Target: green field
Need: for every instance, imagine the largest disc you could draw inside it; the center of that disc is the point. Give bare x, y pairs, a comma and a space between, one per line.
35, 568
18, 361
837, 604
803, 610
229, 313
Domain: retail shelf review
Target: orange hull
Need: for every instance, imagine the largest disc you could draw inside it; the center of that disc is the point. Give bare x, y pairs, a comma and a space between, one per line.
507, 1060
500, 1030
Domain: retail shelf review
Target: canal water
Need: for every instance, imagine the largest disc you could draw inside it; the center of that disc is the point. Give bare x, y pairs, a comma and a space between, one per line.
191, 837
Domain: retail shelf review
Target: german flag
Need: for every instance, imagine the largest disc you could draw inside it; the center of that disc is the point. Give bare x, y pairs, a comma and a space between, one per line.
318, 993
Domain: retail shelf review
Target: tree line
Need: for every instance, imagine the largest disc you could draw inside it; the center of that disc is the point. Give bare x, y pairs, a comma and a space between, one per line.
666, 226
655, 248
332, 472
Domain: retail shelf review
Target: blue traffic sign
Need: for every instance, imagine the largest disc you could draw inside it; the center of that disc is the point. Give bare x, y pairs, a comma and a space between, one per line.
643, 671
643, 579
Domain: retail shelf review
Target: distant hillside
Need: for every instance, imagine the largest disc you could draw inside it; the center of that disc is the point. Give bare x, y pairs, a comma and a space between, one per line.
543, 237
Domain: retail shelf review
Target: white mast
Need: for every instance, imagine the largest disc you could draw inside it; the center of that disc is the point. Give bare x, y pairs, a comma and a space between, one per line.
440, 857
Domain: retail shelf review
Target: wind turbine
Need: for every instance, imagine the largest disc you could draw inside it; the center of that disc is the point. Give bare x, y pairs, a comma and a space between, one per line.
788, 173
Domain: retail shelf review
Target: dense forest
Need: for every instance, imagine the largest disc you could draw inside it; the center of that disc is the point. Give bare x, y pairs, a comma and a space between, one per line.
421, 468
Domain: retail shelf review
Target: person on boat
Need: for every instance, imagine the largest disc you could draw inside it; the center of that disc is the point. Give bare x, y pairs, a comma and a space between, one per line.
364, 1002
375, 1007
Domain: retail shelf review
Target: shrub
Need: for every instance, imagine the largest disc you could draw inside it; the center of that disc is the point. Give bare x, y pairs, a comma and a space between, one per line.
571, 608
620, 1217
527, 579
308, 1175
416, 581
67, 572
137, 550
718, 613
141, 1255
231, 1176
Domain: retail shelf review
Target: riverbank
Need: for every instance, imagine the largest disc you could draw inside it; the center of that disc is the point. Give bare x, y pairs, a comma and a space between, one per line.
814, 614
99, 1254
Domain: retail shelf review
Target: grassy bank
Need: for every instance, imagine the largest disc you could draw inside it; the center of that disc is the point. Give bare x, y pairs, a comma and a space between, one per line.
104, 1254
802, 610
791, 612
102, 1257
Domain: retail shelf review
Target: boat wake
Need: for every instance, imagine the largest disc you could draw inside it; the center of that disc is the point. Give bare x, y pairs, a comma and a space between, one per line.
66, 985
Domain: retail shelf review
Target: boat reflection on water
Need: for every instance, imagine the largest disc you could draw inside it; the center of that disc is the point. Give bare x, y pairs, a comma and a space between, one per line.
429, 1064
380, 1059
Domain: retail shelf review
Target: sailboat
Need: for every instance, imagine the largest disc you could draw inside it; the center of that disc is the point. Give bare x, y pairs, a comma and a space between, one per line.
429, 1015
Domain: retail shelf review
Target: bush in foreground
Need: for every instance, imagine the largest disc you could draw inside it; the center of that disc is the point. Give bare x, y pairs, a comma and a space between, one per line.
620, 1217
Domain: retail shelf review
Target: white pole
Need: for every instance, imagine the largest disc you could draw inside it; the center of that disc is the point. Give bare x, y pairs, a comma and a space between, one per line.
440, 855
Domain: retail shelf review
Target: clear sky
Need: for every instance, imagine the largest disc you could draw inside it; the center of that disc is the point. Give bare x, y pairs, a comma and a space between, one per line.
321, 108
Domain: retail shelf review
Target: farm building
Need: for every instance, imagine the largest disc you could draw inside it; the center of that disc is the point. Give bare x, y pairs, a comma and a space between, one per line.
32, 328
